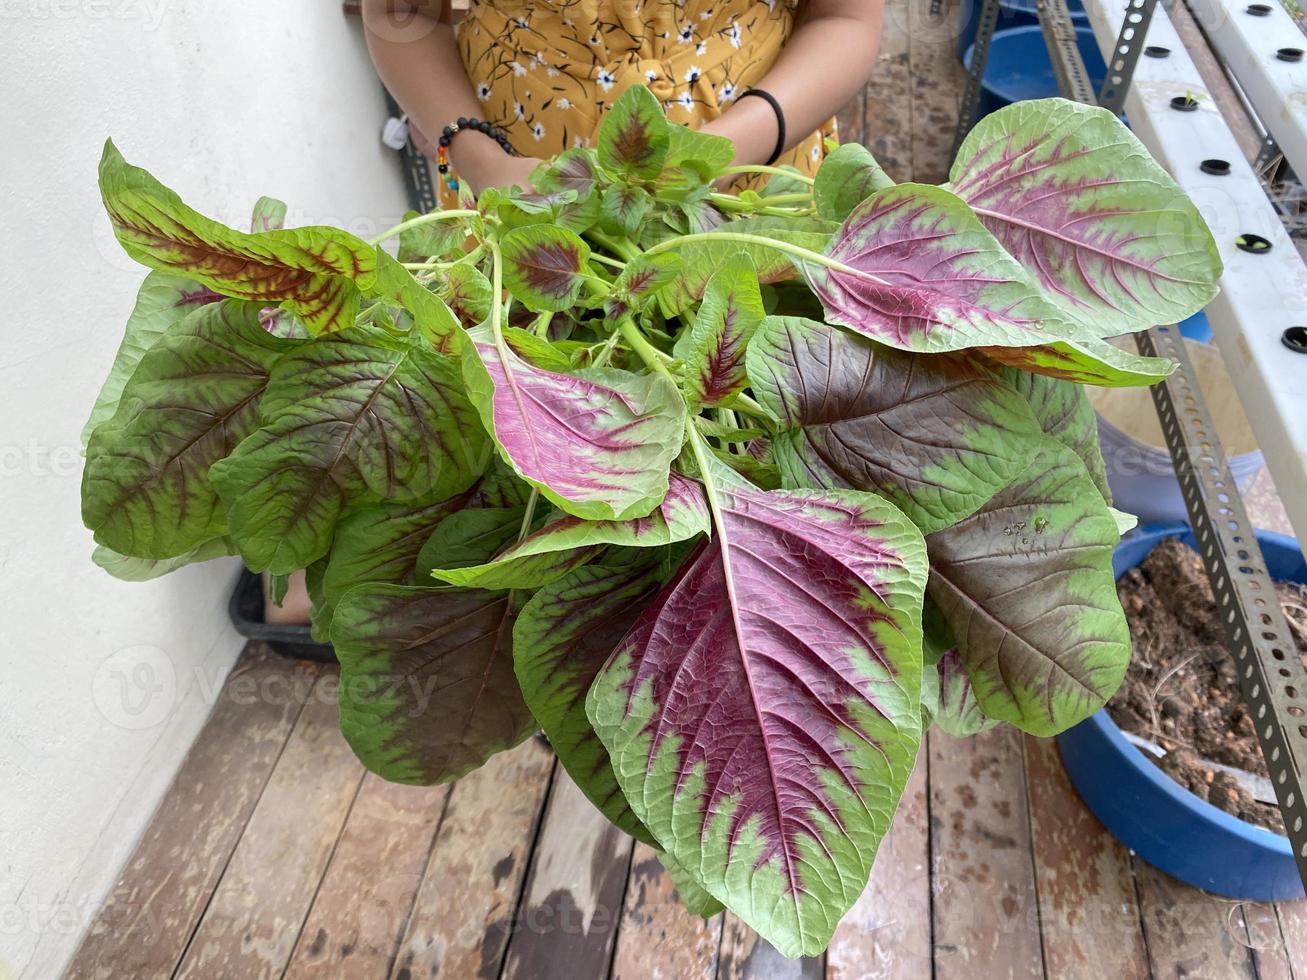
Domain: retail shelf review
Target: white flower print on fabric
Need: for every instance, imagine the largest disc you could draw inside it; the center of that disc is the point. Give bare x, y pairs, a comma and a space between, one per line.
686, 101
563, 103
519, 69
650, 76
692, 74
483, 91
606, 80
686, 34
538, 131
733, 35
726, 92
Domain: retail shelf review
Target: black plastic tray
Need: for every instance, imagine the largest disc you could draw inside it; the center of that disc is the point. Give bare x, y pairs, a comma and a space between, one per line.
246, 611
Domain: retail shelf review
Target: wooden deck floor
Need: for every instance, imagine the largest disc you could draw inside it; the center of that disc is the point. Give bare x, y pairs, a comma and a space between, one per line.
275, 855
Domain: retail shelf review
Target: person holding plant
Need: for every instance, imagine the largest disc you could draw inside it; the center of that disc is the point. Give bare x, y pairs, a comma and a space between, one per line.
535, 77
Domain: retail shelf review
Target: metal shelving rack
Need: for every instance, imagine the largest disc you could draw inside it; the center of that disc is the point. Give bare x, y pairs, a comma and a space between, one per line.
1272, 677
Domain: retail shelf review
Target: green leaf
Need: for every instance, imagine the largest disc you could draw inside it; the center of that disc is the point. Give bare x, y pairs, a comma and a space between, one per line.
633, 137
128, 569
845, 179
427, 690
162, 301
693, 895
707, 154
467, 292
543, 266
1063, 411
643, 278
315, 273
469, 538
1026, 585
947, 700
564, 635
269, 215
569, 542
572, 169
434, 240
193, 396
714, 348
624, 209
355, 417
431, 317
1087, 362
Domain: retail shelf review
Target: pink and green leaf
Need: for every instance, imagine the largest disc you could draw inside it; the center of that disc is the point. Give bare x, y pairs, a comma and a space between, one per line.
315, 273
1026, 586
1078, 200
569, 542
936, 434
713, 348
763, 714
846, 178
599, 443
632, 139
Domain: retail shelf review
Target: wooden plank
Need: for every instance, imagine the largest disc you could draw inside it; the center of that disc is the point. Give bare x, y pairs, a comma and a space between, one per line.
747, 956
986, 921
852, 119
463, 914
887, 933
359, 914
937, 79
658, 938
1088, 912
1270, 956
888, 113
142, 928
1293, 930
1191, 933
572, 904
251, 926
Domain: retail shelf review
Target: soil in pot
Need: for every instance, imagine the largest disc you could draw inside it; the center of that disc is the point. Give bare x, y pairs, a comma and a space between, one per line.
1181, 691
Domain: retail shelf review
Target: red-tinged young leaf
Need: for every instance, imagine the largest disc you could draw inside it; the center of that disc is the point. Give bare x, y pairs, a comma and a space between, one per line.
427, 691
949, 699
632, 139
431, 317
845, 179
466, 290
713, 347
269, 215
599, 444
571, 170
356, 417
624, 209
543, 266
438, 240
569, 542
936, 434
163, 300
315, 273
1064, 412
192, 398
763, 714
1026, 585
1089, 362
1078, 200
565, 633
641, 280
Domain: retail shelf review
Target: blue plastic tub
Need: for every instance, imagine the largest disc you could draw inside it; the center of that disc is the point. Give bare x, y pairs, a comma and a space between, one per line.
1165, 824
1019, 68
1011, 13
1197, 328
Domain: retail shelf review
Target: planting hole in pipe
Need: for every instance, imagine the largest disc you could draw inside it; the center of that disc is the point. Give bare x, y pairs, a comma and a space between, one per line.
1157, 51
1255, 244
1258, 9
1184, 103
1215, 167
1289, 54
1295, 338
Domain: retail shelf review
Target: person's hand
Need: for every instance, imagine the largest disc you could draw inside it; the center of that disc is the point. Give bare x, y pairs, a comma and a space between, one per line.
503, 172
481, 162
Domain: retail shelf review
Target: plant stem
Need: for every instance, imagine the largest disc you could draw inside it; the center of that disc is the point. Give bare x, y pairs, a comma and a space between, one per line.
615, 263
729, 202
650, 354
744, 403
422, 219
777, 171
529, 516
807, 254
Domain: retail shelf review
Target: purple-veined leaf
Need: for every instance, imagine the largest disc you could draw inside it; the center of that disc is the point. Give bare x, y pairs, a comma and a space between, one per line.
599, 444
466, 290
949, 699
701, 214
564, 635
543, 266
936, 434
641, 280
763, 714
269, 215
427, 690
569, 542
623, 210
194, 395
315, 273
632, 139
162, 301
1089, 362
1026, 585
1063, 411
572, 169
353, 417
845, 179
713, 348
1078, 200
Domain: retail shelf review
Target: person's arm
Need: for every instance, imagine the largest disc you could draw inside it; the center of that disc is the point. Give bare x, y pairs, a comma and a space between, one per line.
412, 45
826, 61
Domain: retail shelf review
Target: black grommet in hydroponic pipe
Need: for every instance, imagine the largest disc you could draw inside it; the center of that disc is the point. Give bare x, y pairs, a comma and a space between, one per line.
1295, 338
1215, 167
1157, 51
1252, 243
1258, 9
1184, 103
1289, 54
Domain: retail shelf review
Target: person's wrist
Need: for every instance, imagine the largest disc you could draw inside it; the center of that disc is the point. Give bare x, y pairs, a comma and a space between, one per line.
751, 125
473, 152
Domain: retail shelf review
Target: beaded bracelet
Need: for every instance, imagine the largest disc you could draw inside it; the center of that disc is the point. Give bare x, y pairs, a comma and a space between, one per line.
453, 129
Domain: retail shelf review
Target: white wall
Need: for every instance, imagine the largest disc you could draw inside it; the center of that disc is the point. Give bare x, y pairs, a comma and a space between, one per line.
104, 684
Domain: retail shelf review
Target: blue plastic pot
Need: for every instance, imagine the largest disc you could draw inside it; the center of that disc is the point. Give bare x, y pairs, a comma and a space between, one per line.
1019, 68
1011, 13
1161, 821
1197, 328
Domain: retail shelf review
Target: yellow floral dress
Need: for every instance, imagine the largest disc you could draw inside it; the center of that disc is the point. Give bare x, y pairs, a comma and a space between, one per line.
546, 71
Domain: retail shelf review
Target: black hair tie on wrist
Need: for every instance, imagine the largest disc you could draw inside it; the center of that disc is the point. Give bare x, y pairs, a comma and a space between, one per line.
780, 120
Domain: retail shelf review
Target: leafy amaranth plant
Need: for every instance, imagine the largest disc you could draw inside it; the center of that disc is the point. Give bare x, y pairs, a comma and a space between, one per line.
730, 493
